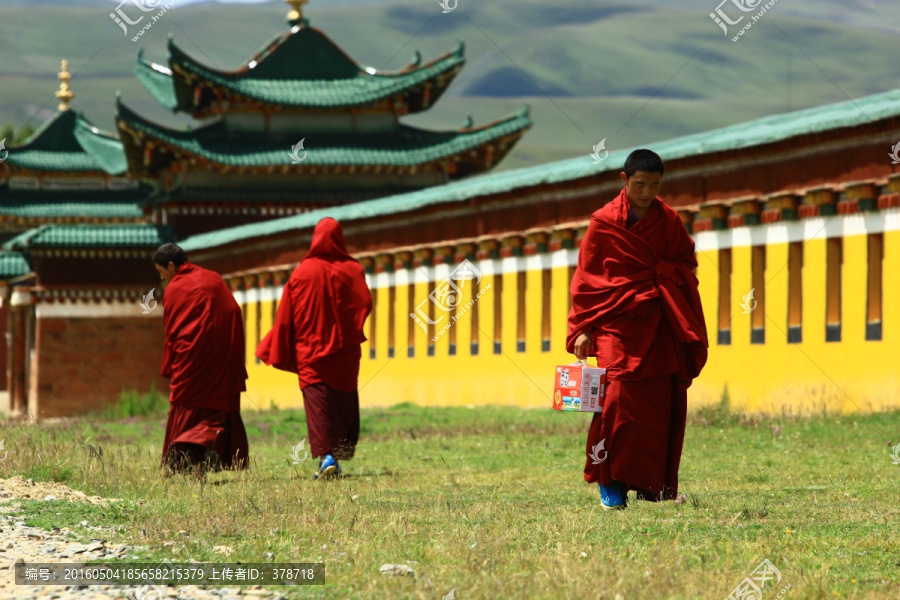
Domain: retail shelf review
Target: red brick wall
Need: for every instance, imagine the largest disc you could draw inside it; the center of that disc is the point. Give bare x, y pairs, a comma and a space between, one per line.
85, 363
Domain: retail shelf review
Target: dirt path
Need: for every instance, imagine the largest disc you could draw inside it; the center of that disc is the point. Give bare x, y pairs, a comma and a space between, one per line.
20, 543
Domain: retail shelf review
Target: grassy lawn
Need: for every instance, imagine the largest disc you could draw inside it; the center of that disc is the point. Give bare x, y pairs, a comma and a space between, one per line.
491, 502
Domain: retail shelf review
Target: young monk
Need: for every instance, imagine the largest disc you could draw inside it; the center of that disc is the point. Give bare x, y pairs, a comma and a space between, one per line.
635, 306
204, 359
317, 334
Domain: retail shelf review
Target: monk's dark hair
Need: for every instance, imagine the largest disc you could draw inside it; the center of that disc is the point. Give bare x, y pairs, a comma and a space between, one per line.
169, 253
644, 160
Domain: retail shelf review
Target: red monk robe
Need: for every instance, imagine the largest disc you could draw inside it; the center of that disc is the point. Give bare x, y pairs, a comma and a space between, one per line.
204, 358
317, 334
635, 290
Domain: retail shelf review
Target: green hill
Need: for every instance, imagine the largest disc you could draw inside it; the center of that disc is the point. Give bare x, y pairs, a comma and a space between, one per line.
633, 73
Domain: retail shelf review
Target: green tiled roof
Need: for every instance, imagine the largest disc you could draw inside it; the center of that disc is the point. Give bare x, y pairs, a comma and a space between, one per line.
303, 68
67, 142
105, 148
41, 160
55, 210
125, 204
91, 236
109, 210
13, 264
409, 146
759, 132
158, 81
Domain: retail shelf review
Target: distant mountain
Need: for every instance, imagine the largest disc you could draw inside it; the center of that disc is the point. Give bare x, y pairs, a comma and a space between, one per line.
102, 3
633, 72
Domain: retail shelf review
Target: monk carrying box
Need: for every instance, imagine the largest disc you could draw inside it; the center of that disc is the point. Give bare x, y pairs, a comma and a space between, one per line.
636, 307
204, 359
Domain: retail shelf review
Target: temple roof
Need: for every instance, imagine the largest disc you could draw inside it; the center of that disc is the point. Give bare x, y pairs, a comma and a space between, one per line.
281, 196
73, 204
409, 146
129, 236
759, 132
13, 264
302, 68
68, 142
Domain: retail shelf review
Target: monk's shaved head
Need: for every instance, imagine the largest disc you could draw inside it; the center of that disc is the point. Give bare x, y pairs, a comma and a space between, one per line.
644, 160
169, 253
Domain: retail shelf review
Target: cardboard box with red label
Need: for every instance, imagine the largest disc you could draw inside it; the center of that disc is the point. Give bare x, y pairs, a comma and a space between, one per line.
579, 387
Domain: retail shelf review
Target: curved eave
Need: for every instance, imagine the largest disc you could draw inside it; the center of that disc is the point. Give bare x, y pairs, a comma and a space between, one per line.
44, 161
128, 236
444, 147
180, 57
103, 147
158, 80
132, 129
12, 265
369, 88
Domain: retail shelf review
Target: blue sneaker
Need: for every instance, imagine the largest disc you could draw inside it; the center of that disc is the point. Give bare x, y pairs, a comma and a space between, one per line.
611, 497
328, 468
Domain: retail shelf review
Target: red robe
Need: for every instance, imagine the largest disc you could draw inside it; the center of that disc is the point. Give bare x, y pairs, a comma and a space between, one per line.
317, 334
635, 290
204, 358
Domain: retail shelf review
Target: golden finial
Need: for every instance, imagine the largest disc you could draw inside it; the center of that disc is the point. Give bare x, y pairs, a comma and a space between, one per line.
295, 16
64, 94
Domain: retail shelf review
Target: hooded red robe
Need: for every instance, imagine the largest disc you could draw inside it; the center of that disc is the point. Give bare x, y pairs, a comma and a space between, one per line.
204, 359
317, 334
634, 289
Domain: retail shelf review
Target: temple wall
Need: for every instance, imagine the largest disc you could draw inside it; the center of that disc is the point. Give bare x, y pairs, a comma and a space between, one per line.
513, 360
88, 353
814, 375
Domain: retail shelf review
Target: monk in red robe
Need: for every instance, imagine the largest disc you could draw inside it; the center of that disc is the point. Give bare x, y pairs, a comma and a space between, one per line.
317, 335
636, 307
204, 359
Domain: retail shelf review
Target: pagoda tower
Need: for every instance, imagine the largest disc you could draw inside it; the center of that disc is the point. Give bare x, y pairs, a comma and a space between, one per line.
76, 244
300, 126
68, 171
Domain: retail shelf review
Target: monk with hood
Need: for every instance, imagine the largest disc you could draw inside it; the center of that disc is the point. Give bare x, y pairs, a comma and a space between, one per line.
317, 335
204, 359
636, 307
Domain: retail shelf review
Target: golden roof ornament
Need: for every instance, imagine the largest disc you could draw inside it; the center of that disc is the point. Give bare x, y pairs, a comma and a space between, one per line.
295, 16
64, 94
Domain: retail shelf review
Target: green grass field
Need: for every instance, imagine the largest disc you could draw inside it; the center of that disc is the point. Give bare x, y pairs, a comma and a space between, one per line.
491, 502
